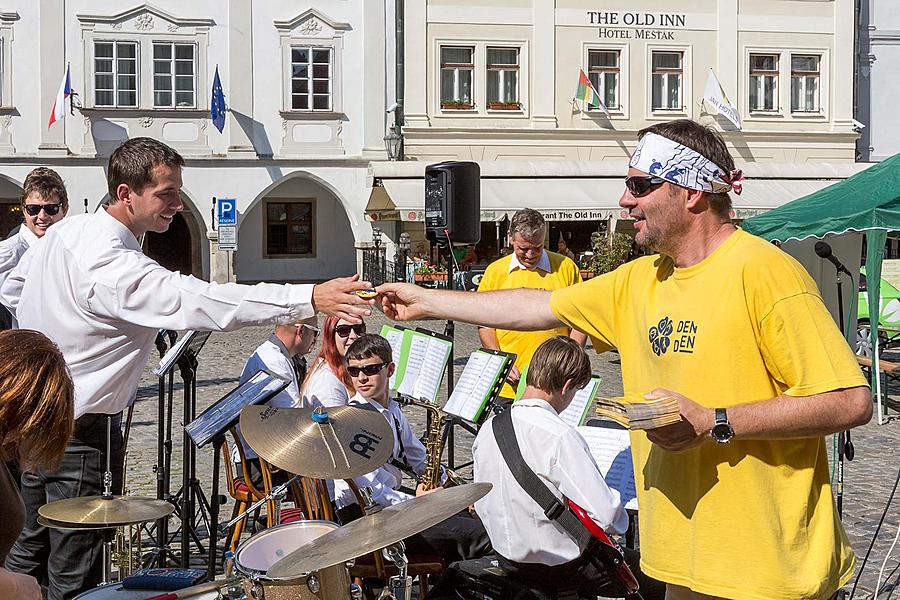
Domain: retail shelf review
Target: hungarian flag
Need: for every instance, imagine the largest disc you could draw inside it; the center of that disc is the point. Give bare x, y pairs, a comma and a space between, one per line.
587, 95
59, 107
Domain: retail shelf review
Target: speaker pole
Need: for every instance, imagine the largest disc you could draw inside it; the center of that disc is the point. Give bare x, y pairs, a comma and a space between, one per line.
449, 332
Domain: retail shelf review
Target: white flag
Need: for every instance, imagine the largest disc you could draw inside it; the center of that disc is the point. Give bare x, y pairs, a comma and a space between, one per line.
716, 98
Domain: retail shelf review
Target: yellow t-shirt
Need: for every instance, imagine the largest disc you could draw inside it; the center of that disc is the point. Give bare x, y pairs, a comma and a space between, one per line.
563, 273
752, 518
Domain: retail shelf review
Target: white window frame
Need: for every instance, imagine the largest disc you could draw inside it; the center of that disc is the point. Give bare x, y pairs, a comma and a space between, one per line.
517, 69
687, 107
310, 81
668, 77
173, 76
622, 95
115, 73
479, 81
784, 89
456, 70
7, 22
818, 75
776, 99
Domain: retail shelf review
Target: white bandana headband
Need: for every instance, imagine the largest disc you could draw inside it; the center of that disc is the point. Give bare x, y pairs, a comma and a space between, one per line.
678, 164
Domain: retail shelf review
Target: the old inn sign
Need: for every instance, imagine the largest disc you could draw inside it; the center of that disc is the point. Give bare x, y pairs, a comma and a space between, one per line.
636, 25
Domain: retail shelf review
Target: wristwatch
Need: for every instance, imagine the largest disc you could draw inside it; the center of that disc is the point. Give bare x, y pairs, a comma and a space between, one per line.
722, 431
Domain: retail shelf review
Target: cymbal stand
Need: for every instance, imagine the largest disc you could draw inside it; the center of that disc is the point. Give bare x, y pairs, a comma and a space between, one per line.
276, 493
399, 586
107, 495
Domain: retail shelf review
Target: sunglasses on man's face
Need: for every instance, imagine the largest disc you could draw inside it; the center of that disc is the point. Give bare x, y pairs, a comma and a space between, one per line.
34, 209
344, 330
640, 185
369, 370
312, 328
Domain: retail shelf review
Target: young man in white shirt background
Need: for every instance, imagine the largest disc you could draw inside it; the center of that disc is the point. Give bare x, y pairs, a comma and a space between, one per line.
462, 536
90, 289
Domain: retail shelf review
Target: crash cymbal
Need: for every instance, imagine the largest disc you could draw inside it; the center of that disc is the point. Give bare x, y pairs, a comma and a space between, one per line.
69, 526
377, 530
334, 443
99, 512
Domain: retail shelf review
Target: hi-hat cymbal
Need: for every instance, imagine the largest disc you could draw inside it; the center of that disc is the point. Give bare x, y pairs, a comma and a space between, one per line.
378, 530
334, 443
100, 512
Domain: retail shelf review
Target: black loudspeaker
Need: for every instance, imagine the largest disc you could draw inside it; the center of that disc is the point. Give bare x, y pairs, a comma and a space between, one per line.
453, 202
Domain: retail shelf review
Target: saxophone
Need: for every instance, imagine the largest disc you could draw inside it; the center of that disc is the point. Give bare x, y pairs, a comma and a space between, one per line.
434, 447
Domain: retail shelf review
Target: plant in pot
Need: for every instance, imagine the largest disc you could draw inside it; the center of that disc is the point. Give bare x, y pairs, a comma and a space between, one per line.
456, 104
610, 251
494, 105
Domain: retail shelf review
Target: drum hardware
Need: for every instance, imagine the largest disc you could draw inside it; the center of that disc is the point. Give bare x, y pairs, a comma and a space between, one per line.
276, 493
337, 443
378, 530
399, 586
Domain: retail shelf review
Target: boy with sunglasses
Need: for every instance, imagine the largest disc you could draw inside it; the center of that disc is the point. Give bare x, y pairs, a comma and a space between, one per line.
370, 365
44, 202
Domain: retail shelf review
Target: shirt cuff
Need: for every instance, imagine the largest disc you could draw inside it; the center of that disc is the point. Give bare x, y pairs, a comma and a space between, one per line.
300, 300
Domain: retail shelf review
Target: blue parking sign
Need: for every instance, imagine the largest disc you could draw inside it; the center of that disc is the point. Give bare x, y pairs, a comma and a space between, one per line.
226, 211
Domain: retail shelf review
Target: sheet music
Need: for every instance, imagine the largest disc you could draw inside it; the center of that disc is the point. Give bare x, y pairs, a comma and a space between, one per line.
611, 448
574, 414
425, 366
474, 385
395, 339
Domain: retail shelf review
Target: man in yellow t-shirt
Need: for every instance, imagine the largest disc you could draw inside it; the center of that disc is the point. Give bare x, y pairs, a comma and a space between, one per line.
735, 498
529, 265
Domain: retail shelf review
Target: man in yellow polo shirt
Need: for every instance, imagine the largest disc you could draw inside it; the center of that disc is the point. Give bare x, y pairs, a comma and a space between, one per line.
530, 265
735, 498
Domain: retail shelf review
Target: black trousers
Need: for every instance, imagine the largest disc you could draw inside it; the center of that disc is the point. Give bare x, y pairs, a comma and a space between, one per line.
68, 562
460, 537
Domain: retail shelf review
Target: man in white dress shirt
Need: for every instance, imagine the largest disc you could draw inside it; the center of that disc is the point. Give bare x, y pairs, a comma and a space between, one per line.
276, 355
89, 287
529, 545
44, 202
462, 536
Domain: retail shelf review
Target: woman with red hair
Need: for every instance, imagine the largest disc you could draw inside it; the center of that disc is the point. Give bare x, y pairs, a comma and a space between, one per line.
327, 383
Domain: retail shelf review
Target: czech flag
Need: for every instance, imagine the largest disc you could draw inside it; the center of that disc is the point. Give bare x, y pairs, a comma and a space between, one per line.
59, 107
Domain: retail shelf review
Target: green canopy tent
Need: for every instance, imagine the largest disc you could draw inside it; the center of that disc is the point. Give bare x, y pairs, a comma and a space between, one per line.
868, 202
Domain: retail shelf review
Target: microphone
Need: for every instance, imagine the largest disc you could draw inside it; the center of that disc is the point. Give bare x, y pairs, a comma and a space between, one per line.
823, 249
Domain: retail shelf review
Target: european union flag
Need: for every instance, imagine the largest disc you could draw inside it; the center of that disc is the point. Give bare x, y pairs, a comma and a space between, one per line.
217, 103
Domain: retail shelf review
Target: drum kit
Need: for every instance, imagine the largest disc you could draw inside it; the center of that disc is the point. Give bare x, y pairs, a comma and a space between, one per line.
304, 560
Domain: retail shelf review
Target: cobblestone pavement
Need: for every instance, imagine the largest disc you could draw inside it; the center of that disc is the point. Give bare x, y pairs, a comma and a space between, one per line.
869, 478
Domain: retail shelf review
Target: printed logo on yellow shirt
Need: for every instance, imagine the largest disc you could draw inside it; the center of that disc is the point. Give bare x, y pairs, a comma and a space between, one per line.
661, 336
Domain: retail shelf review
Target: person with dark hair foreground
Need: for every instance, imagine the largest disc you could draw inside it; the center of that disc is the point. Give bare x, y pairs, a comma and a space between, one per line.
36, 420
370, 365
89, 287
735, 498
529, 545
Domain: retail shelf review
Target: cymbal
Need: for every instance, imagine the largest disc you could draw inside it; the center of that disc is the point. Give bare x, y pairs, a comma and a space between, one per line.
350, 441
99, 512
377, 530
69, 526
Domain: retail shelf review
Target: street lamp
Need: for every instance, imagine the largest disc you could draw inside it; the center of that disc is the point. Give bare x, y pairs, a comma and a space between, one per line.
402, 253
376, 237
393, 143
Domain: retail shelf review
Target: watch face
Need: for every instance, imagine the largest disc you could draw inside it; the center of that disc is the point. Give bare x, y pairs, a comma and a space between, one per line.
722, 432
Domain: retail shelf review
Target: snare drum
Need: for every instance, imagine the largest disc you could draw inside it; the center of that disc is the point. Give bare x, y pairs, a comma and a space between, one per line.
115, 591
255, 556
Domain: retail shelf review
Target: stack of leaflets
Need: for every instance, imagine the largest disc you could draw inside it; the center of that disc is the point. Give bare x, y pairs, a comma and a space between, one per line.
637, 412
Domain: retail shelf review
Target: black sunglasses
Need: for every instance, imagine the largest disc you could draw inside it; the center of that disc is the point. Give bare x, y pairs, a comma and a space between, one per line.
640, 185
344, 330
50, 209
369, 370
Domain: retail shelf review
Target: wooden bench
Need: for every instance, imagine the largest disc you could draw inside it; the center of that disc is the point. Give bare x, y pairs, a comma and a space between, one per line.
891, 368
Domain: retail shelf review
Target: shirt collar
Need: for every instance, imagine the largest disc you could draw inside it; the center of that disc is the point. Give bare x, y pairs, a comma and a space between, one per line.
118, 229
279, 344
535, 403
358, 399
27, 235
543, 263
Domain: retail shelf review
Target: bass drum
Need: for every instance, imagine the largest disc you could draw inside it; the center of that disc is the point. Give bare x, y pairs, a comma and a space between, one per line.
115, 591
256, 556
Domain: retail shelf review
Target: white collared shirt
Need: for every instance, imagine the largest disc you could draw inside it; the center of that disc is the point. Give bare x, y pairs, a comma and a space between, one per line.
517, 526
11, 252
385, 481
324, 389
270, 356
88, 286
543, 263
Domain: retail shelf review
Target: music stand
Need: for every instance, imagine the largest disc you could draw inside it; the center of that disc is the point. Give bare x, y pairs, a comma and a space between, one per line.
184, 354
211, 426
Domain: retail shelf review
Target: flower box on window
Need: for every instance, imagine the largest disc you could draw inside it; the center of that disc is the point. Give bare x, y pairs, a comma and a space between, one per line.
504, 106
433, 276
456, 105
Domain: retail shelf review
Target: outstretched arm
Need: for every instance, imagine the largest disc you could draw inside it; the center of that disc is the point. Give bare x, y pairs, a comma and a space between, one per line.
520, 309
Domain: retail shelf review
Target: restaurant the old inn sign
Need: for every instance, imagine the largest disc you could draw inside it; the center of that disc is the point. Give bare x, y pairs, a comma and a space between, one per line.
636, 25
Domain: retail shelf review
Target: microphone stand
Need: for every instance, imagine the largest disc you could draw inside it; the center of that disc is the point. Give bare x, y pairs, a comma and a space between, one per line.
844, 444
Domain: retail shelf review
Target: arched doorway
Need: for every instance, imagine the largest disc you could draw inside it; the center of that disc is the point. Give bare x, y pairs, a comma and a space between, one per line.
10, 206
178, 249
